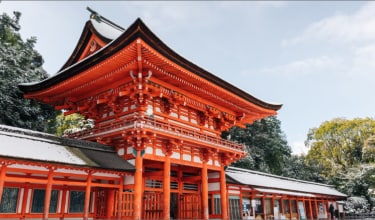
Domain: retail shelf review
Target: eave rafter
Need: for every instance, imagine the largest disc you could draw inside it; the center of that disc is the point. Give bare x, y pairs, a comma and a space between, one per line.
167, 70
96, 76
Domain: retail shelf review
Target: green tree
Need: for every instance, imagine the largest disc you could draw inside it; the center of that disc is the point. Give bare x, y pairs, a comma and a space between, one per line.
71, 123
368, 153
20, 63
337, 144
266, 144
298, 168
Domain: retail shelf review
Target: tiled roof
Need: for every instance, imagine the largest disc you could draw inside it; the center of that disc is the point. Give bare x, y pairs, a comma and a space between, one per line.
264, 182
36, 146
116, 40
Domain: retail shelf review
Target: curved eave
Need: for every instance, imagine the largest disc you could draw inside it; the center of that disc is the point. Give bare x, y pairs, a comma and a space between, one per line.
137, 30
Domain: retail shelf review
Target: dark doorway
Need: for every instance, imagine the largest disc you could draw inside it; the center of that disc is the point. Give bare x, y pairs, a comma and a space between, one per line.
174, 206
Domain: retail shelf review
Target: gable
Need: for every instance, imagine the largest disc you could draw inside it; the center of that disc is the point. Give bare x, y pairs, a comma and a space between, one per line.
95, 35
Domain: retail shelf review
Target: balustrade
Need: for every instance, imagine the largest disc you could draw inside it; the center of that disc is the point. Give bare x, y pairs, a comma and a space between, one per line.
161, 126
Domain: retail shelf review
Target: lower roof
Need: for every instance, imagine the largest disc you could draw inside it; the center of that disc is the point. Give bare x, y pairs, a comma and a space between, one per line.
36, 146
269, 183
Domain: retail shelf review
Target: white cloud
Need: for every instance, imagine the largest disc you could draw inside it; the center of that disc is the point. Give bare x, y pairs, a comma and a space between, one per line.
341, 28
364, 59
306, 66
298, 148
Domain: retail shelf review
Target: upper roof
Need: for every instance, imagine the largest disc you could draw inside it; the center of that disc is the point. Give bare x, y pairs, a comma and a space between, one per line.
113, 39
41, 147
98, 26
269, 183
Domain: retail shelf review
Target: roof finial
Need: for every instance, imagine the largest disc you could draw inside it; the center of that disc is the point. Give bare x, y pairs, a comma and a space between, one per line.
94, 15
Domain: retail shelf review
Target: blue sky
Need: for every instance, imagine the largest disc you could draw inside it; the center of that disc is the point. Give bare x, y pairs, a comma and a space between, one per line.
317, 58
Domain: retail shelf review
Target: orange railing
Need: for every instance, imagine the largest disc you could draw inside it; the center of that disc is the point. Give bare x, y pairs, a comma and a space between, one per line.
161, 126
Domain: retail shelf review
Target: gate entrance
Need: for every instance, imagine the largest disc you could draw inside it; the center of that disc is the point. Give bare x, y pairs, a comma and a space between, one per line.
190, 206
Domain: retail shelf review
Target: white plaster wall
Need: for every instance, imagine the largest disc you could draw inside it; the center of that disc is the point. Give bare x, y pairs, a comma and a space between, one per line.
159, 152
213, 186
175, 155
129, 180
148, 150
186, 157
197, 159
233, 192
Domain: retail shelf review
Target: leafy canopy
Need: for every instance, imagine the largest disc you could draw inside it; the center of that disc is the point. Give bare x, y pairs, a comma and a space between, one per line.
338, 144
20, 63
72, 123
266, 144
344, 150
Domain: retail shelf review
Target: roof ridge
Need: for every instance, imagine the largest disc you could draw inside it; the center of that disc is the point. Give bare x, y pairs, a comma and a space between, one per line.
50, 138
90, 145
28, 132
275, 176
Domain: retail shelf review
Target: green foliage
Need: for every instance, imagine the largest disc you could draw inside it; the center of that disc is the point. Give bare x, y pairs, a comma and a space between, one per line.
20, 63
337, 144
368, 152
298, 168
266, 144
71, 123
344, 149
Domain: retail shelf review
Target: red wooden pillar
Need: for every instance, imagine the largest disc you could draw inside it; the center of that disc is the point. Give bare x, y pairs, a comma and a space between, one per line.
86, 209
290, 208
310, 208
167, 186
24, 199
2, 179
138, 185
110, 203
119, 197
47, 198
282, 205
264, 206
204, 190
273, 206
223, 192
63, 202
180, 191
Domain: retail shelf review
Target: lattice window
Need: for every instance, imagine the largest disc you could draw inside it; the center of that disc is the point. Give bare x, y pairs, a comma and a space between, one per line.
286, 206
234, 207
258, 206
9, 200
294, 206
39, 198
174, 185
191, 186
154, 184
268, 206
77, 201
214, 203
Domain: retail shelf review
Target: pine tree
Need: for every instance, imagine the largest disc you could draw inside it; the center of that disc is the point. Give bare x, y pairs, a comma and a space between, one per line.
20, 63
266, 144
